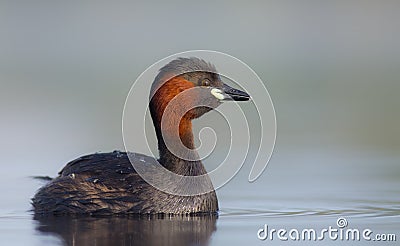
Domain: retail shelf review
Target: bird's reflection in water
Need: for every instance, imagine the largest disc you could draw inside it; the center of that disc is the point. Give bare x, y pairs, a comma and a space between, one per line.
159, 230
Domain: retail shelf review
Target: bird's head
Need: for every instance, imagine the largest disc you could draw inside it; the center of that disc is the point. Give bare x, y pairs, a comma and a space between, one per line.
190, 87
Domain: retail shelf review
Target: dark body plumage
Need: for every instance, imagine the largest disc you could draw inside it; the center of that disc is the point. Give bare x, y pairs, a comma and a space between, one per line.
107, 183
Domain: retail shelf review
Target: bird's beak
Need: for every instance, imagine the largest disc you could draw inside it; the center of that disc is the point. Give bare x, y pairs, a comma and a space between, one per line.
232, 94
227, 93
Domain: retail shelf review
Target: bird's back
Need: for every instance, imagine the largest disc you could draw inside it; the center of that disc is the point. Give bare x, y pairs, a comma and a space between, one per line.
107, 183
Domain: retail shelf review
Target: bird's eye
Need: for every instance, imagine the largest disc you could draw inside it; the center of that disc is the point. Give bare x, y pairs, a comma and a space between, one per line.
205, 82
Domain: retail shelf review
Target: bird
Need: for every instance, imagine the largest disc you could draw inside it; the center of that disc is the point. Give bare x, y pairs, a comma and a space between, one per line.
107, 183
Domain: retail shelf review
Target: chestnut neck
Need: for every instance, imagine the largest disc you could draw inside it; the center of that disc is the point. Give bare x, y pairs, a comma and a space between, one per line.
183, 144
175, 163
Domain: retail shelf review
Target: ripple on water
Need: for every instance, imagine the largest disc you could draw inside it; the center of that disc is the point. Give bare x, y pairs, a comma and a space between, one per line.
362, 211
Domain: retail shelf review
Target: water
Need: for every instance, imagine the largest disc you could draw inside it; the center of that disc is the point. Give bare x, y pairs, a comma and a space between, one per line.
297, 191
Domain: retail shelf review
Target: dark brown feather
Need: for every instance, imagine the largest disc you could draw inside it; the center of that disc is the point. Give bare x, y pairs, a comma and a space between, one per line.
107, 183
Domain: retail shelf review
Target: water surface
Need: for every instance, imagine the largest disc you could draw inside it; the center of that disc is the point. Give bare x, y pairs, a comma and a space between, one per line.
297, 191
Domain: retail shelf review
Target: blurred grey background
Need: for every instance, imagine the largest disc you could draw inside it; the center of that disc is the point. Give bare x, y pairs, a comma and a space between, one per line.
331, 67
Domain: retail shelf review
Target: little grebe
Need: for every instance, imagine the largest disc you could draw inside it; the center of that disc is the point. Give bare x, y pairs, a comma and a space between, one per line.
107, 183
